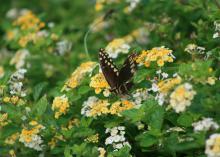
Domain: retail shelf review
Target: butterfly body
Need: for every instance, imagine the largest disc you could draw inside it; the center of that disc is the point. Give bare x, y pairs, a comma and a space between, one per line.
119, 80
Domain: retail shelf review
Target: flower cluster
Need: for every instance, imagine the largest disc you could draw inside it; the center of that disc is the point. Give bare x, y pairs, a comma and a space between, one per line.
79, 73
116, 138
117, 46
217, 29
58, 137
60, 106
16, 84
93, 138
140, 95
1, 72
158, 54
181, 97
14, 99
12, 139
101, 3
19, 58
132, 5
99, 83
194, 49
213, 146
3, 119
30, 137
62, 47
101, 152
30, 24
94, 107
205, 124
120, 106
163, 87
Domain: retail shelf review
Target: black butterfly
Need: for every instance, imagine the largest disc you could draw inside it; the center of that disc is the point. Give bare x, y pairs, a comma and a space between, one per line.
119, 80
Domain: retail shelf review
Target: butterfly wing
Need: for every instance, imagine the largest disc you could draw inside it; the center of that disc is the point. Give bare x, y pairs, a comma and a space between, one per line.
128, 69
109, 70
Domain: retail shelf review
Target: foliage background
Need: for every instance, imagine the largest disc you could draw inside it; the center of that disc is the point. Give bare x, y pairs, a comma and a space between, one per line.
172, 23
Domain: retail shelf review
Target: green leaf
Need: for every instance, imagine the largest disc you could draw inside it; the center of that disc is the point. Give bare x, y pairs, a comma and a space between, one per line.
134, 114
38, 90
185, 120
41, 106
67, 152
146, 140
84, 89
123, 152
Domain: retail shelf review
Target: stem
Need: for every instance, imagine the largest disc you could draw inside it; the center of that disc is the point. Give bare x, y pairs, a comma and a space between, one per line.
86, 36
217, 3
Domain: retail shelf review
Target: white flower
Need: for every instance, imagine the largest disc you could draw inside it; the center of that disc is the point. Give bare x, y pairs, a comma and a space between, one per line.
160, 97
139, 96
213, 146
154, 87
116, 138
117, 46
19, 58
205, 124
15, 83
63, 47
181, 97
35, 142
164, 75
132, 4
216, 35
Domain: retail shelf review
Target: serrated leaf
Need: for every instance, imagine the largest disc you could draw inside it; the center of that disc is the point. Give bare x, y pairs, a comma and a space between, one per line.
84, 90
41, 106
185, 120
38, 90
146, 140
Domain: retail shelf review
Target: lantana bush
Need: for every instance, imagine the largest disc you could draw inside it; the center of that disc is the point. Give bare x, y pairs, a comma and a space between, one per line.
55, 100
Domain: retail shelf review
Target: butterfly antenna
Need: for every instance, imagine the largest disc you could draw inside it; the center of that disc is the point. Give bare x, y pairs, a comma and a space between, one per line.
105, 17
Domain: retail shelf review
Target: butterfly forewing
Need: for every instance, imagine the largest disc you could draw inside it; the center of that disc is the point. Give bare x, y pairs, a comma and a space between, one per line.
109, 70
128, 69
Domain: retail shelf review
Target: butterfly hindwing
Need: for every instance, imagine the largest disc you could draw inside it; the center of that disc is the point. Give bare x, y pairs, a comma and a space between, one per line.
128, 69
109, 70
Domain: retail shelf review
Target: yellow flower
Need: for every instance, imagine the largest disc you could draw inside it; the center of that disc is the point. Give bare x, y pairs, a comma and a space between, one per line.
213, 146
181, 97
95, 107
1, 72
99, 83
120, 106
11, 139
101, 152
211, 80
79, 73
10, 35
12, 153
159, 54
93, 138
19, 58
29, 136
6, 99
101, 107
60, 106
14, 99
3, 120
52, 143
98, 6
166, 85
29, 21
117, 46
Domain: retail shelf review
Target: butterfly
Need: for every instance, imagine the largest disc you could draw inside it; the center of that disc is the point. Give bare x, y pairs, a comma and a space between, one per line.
119, 80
